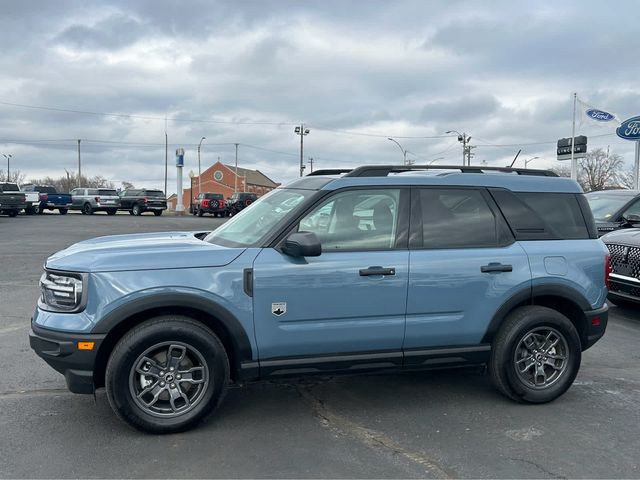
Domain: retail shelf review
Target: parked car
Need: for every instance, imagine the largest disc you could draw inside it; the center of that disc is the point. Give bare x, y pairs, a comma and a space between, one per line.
50, 199
138, 201
32, 198
624, 251
239, 201
335, 274
611, 208
213, 203
90, 200
12, 200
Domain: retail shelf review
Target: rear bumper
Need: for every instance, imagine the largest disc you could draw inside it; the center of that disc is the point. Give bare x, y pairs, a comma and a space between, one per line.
596, 325
56, 205
60, 351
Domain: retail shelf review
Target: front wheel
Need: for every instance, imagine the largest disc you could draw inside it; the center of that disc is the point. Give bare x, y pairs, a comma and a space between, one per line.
63, 211
167, 374
535, 355
136, 210
13, 213
200, 212
157, 213
87, 209
112, 211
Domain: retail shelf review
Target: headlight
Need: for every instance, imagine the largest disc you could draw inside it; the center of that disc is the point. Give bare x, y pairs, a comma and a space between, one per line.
62, 291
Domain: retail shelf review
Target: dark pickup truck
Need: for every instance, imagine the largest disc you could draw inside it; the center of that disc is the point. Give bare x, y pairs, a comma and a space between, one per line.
12, 200
50, 199
138, 201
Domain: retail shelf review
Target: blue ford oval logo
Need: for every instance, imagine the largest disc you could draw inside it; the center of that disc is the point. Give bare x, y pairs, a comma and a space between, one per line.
599, 115
629, 129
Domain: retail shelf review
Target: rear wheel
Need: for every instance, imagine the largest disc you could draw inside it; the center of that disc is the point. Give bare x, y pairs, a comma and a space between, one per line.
112, 211
87, 209
38, 210
200, 212
29, 211
157, 213
13, 213
536, 355
167, 374
63, 211
136, 210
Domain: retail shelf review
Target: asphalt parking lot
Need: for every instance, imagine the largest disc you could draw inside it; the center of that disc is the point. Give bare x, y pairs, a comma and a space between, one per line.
433, 424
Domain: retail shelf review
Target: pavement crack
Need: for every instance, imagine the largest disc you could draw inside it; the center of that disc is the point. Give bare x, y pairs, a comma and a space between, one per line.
370, 437
34, 393
538, 466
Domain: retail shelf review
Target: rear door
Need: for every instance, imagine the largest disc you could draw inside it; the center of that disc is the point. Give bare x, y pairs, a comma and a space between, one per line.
464, 265
349, 300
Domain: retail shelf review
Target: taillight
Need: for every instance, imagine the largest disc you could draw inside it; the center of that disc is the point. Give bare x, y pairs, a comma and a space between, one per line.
97, 199
607, 270
248, 202
205, 203
44, 197
145, 200
221, 202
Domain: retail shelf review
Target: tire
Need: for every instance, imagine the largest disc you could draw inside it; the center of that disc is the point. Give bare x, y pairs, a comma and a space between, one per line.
532, 324
29, 210
200, 212
13, 213
63, 211
38, 210
154, 339
87, 209
136, 210
112, 211
157, 213
130, 212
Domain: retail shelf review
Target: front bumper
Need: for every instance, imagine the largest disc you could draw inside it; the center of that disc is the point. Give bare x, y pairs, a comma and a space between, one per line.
596, 325
60, 351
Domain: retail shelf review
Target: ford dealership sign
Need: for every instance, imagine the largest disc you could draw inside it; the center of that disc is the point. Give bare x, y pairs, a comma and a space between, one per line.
629, 129
599, 115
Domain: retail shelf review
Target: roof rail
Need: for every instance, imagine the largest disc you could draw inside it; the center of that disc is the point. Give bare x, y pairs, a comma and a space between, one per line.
385, 170
329, 171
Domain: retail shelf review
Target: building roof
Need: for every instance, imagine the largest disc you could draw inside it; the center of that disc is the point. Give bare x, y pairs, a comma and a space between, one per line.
254, 177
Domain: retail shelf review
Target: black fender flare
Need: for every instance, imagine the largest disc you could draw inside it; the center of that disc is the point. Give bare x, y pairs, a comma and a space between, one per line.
527, 296
244, 362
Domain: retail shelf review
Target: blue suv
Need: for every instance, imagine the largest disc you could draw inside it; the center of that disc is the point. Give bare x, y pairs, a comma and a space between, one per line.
375, 268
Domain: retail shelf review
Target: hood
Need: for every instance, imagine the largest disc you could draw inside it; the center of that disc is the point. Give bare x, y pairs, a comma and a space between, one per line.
145, 251
627, 236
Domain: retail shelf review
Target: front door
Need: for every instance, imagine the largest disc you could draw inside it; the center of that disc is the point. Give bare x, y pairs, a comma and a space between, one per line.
348, 304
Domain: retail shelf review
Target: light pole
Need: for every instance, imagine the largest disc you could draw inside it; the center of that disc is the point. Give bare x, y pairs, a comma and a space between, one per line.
466, 149
235, 186
435, 159
191, 191
8, 157
404, 152
302, 132
526, 162
311, 163
199, 171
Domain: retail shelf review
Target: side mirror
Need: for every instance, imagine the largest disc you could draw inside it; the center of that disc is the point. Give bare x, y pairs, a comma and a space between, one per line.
632, 218
302, 244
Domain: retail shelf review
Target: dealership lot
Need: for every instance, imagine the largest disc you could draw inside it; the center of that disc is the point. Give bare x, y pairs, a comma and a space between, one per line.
434, 424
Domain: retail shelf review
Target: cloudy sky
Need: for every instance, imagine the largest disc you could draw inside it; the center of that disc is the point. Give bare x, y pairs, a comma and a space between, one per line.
354, 72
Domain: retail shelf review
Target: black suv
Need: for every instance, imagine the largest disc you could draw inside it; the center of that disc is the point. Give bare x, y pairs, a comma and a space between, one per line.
614, 209
138, 201
239, 201
208, 202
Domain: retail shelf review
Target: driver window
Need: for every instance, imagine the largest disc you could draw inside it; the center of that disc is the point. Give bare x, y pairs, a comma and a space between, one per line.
355, 220
632, 210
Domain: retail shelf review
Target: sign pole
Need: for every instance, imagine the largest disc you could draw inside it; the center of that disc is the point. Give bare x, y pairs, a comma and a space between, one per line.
574, 162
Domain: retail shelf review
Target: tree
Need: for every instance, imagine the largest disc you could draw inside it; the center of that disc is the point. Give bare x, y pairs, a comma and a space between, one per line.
600, 170
70, 181
127, 185
15, 176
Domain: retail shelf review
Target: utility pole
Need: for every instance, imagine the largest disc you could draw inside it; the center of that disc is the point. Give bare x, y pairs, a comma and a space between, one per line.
574, 161
199, 171
311, 163
466, 151
8, 157
235, 187
166, 156
302, 132
79, 166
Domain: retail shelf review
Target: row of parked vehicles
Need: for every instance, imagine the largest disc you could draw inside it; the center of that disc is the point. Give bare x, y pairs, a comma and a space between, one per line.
215, 204
36, 199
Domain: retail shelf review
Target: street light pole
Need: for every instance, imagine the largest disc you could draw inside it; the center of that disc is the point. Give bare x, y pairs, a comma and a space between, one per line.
435, 159
8, 157
311, 163
526, 162
466, 148
302, 132
79, 166
199, 171
404, 152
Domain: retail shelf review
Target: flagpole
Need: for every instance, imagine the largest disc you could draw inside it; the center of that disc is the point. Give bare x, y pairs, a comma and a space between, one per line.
636, 169
574, 162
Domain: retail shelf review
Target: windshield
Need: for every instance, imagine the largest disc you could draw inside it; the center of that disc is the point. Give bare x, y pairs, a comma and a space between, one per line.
604, 205
251, 225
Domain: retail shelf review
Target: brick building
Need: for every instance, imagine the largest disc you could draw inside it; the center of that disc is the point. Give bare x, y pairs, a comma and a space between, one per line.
221, 178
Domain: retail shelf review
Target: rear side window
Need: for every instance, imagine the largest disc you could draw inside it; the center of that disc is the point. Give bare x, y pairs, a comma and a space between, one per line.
92, 191
542, 216
106, 192
452, 218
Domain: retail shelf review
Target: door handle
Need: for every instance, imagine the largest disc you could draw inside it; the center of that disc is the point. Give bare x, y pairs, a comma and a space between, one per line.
365, 272
496, 267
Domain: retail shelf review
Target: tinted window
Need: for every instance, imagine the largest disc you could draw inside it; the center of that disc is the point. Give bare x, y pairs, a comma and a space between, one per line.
155, 193
9, 187
356, 220
452, 218
213, 196
107, 192
46, 189
92, 191
560, 212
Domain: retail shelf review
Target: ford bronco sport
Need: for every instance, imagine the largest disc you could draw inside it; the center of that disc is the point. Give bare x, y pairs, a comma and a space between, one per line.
341, 271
